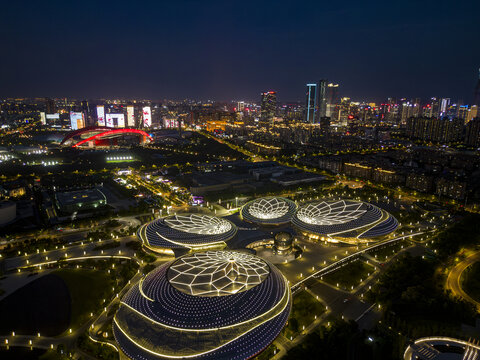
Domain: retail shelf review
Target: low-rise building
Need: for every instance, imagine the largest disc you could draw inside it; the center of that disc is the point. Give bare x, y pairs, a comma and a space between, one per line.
78, 200
420, 181
362, 171
388, 176
451, 187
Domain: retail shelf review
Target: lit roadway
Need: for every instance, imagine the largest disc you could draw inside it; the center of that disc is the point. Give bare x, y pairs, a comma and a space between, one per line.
156, 190
348, 304
74, 253
454, 278
84, 251
79, 233
69, 252
336, 265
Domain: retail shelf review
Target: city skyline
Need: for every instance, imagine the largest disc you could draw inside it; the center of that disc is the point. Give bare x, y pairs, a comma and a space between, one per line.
219, 180
224, 51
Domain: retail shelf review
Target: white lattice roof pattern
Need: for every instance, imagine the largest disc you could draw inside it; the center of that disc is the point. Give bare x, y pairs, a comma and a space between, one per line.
198, 224
217, 273
331, 213
269, 208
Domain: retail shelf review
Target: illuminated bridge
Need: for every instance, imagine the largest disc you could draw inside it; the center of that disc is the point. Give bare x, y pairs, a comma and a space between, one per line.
213, 305
101, 136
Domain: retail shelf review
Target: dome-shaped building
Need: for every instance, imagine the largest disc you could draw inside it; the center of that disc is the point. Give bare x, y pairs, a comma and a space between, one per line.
186, 231
344, 220
211, 305
269, 211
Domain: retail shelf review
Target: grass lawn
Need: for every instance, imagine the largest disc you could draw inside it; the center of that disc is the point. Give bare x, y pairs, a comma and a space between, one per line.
87, 290
389, 250
304, 309
108, 245
471, 281
349, 275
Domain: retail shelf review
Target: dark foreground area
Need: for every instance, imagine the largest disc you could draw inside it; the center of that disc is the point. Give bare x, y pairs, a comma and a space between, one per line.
40, 306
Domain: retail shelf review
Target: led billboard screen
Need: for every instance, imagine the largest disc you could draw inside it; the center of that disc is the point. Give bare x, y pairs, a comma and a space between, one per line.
130, 116
147, 116
115, 120
76, 120
101, 115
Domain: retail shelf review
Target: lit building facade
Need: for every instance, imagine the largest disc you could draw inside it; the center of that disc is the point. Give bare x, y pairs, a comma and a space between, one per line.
268, 107
311, 104
218, 305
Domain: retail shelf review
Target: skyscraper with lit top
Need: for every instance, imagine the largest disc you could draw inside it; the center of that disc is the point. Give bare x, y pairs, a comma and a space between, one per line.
268, 107
311, 104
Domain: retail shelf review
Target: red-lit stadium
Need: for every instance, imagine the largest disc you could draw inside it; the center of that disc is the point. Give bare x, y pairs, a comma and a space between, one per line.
101, 136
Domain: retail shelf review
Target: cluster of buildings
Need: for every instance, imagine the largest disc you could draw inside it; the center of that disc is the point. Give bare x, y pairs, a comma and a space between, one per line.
323, 106
451, 174
444, 130
243, 176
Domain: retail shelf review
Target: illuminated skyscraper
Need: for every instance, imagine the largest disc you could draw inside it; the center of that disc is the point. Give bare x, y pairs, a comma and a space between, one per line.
240, 105
332, 98
324, 124
101, 115
86, 113
268, 107
332, 94
311, 103
322, 98
444, 104
130, 116
50, 106
472, 137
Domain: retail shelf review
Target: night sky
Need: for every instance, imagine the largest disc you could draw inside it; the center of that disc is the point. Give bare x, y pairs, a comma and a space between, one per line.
233, 50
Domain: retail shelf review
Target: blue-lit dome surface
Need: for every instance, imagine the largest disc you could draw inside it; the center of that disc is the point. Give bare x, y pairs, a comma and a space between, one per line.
269, 210
187, 231
344, 219
156, 319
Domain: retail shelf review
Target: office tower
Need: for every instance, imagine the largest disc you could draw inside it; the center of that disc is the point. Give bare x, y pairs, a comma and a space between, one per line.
324, 125
147, 116
240, 105
311, 103
130, 116
444, 105
472, 136
332, 98
50, 106
86, 113
472, 113
77, 120
100, 115
268, 107
463, 113
442, 130
432, 109
322, 98
476, 95
332, 94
